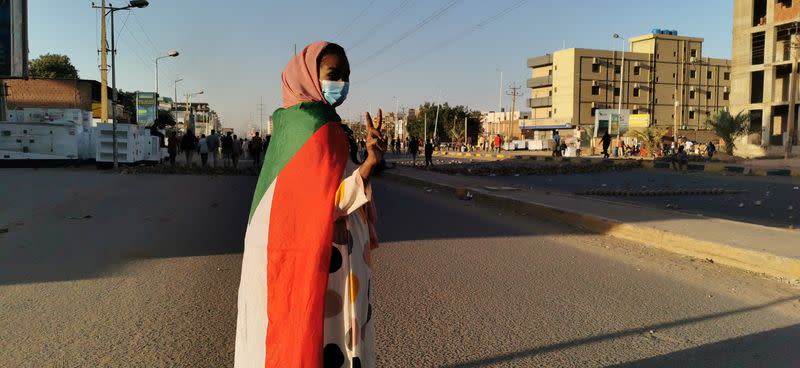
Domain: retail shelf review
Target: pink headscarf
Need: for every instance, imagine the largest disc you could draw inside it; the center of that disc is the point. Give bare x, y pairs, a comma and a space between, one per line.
301, 76
300, 80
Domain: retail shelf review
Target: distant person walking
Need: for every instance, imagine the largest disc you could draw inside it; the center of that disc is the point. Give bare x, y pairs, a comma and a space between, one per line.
213, 146
413, 149
188, 146
236, 151
255, 147
202, 147
227, 149
397, 147
711, 150
429, 153
172, 147
606, 143
498, 142
556, 143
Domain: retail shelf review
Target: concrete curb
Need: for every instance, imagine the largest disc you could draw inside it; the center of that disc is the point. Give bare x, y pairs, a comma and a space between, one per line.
744, 259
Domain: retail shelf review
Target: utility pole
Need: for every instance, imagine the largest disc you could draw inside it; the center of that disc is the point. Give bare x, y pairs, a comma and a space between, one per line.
789, 135
261, 115
436, 123
425, 134
103, 67
514, 92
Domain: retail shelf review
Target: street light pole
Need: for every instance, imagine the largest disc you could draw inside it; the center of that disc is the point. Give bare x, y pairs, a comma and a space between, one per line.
175, 101
169, 54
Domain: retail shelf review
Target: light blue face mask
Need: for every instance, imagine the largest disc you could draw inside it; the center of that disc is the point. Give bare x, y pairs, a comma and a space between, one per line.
335, 92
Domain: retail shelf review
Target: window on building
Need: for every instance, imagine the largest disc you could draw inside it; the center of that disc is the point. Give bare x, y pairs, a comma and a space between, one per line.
694, 52
636, 70
658, 56
616, 69
616, 91
709, 75
759, 12
691, 114
785, 3
594, 111
691, 95
708, 95
675, 53
656, 79
673, 75
635, 92
550, 93
549, 113
595, 68
692, 74
726, 96
757, 48
595, 90
757, 86
726, 76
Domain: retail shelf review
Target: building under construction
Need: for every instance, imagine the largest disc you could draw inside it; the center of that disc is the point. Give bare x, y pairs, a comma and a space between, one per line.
764, 33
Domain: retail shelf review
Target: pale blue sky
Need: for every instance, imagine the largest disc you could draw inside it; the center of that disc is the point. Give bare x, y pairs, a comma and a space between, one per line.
235, 50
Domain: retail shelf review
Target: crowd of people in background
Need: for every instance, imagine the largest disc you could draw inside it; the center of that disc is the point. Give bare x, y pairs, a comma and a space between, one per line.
216, 150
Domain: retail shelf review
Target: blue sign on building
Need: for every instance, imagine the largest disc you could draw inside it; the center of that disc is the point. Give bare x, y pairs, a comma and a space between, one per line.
146, 111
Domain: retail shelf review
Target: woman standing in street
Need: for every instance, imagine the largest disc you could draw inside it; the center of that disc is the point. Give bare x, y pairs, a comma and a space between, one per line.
305, 297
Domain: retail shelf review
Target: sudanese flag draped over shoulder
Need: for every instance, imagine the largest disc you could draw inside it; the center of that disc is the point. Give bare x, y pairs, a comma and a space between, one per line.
288, 242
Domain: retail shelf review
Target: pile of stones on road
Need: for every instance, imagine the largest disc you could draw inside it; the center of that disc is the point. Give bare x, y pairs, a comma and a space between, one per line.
192, 170
525, 167
661, 192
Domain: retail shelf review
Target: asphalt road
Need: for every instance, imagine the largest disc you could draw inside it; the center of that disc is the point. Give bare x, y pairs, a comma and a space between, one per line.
770, 201
150, 280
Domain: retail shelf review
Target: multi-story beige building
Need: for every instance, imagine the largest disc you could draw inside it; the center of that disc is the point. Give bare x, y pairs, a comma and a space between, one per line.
762, 52
568, 86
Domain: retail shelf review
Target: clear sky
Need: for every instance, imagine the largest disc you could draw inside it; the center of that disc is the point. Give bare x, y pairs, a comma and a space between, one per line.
409, 49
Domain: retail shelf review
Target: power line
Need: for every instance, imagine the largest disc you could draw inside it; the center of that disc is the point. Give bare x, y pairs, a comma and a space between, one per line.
124, 24
436, 15
389, 18
451, 40
357, 17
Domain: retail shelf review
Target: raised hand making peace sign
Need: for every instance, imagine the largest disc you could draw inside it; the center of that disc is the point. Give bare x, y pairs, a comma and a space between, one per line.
376, 145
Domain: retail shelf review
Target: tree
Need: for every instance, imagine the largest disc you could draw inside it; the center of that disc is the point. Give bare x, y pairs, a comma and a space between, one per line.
451, 123
730, 127
164, 119
52, 66
650, 138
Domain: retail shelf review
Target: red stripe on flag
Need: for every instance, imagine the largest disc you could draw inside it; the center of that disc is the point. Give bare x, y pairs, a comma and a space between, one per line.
299, 249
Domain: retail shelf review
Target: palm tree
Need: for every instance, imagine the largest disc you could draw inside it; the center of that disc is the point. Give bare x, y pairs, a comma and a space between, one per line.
729, 127
650, 137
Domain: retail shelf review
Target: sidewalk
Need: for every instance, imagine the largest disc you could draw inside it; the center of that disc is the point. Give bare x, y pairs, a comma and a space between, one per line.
771, 251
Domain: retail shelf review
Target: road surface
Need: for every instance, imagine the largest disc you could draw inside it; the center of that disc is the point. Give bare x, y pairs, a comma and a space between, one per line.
150, 280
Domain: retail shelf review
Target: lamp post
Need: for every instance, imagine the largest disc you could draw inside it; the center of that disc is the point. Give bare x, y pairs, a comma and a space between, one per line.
621, 87
172, 53
111, 9
175, 100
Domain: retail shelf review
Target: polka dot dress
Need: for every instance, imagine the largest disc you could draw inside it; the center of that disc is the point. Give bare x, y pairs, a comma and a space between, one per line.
349, 334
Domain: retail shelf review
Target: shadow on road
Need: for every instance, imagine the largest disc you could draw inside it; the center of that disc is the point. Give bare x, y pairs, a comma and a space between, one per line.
81, 224
776, 348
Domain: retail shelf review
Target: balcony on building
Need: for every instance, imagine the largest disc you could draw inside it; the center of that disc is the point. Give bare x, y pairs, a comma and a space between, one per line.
538, 61
537, 82
540, 102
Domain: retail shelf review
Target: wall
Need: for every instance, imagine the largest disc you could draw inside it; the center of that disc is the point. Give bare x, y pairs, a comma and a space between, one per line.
783, 13
50, 93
